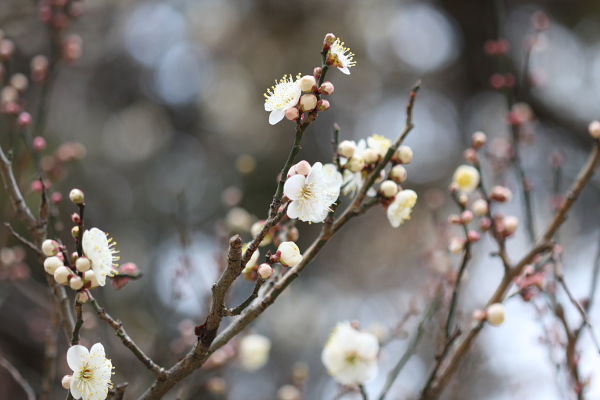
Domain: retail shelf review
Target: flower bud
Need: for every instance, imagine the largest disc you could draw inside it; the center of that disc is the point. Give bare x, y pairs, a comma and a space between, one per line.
398, 173
479, 315
496, 314
293, 234
501, 194
326, 88
473, 236
471, 155
308, 102
317, 72
323, 105
83, 264
454, 219
371, 156
289, 254
594, 129
71, 49
356, 163
66, 381
51, 264
292, 113
56, 197
20, 82
39, 68
24, 121
306, 83
77, 196
466, 217
511, 224
456, 245
265, 270
404, 155
347, 148
485, 224
302, 168
462, 199
256, 228
7, 49
75, 232
83, 297
478, 140
62, 274
388, 189
480, 207
39, 143
50, 247
289, 392
329, 40
90, 276
76, 282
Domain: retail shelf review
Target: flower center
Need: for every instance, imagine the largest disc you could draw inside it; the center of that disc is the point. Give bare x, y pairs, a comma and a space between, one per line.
352, 358
308, 192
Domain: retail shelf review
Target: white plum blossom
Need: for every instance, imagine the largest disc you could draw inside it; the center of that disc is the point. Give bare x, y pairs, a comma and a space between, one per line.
289, 254
380, 144
467, 178
313, 195
284, 95
100, 251
91, 372
350, 356
254, 351
399, 210
341, 57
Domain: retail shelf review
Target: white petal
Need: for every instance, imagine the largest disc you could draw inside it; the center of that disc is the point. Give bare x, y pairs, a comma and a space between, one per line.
345, 70
76, 356
314, 172
276, 116
74, 390
293, 186
268, 107
292, 210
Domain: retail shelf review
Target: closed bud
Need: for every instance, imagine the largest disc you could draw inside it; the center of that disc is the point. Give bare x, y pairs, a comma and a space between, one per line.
356, 163
471, 156
329, 40
501, 194
511, 224
83, 297
77, 196
7, 49
50, 247
317, 72
66, 381
456, 245
83, 264
388, 189
594, 129
76, 218
265, 271
292, 113
485, 224
289, 254
71, 50
20, 82
308, 102
404, 155
39, 143
462, 199
347, 148
480, 207
370, 156
326, 88
75, 232
323, 105
76, 282
51, 264
496, 314
307, 83
62, 274
454, 219
293, 234
39, 68
478, 140
398, 173
473, 236
90, 276
302, 168
466, 217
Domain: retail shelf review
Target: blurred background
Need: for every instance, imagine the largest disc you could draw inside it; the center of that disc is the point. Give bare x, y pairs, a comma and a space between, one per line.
161, 123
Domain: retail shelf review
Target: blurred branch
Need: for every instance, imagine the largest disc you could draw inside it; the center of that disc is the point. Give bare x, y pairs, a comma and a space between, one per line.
118, 392
24, 241
199, 353
18, 378
363, 392
130, 344
544, 244
411, 348
49, 372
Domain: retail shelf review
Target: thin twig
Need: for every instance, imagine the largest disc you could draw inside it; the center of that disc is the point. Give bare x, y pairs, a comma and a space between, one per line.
118, 392
363, 392
130, 344
79, 321
24, 241
238, 310
410, 349
18, 378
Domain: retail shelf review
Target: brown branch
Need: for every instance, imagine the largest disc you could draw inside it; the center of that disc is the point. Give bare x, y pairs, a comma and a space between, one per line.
450, 367
130, 344
118, 392
238, 310
18, 378
200, 353
79, 314
24, 241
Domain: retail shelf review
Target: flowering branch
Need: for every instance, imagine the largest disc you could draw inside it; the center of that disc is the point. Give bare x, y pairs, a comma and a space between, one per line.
463, 346
130, 344
18, 378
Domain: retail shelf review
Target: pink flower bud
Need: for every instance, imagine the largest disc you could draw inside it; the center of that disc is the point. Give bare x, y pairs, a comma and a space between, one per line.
37, 186
66, 381
497, 81
326, 88
71, 50
83, 297
265, 270
39, 68
473, 236
453, 188
24, 120
39, 143
466, 217
308, 102
119, 282
129, 269
323, 105
7, 49
328, 41
478, 140
57, 198
501, 194
292, 113
302, 168
317, 72
456, 245
471, 155
454, 219
479, 315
